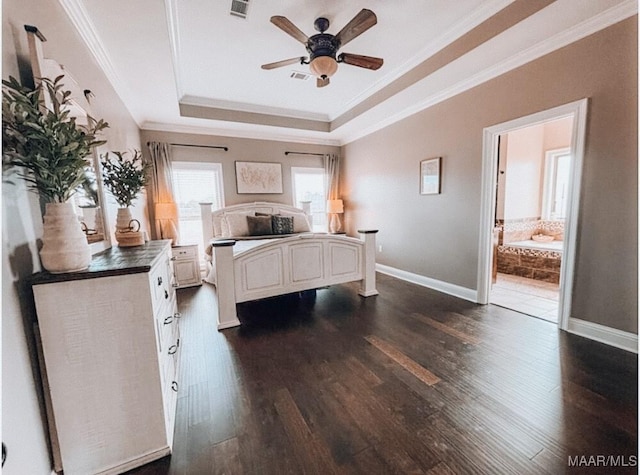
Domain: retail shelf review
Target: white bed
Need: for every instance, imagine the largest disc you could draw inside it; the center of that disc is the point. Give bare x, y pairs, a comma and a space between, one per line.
248, 268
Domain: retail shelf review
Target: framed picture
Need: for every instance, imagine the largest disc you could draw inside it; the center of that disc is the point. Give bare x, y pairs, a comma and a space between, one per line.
258, 177
430, 172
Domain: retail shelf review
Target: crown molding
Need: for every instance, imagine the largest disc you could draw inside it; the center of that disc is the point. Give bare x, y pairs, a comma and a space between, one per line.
79, 17
252, 108
475, 18
251, 133
609, 17
173, 30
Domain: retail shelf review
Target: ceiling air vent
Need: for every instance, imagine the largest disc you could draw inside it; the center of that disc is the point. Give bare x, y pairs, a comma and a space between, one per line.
239, 8
299, 75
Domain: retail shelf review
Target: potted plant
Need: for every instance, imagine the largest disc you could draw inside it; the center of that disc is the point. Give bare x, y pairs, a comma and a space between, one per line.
50, 151
124, 178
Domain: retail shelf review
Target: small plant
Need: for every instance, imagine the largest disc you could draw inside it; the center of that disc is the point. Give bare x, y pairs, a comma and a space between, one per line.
124, 177
50, 147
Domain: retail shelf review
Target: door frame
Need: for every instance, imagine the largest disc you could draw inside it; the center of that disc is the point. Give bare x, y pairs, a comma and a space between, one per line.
488, 198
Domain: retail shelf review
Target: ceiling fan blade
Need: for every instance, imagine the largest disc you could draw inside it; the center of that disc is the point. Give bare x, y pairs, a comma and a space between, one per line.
368, 62
284, 62
358, 25
289, 28
322, 82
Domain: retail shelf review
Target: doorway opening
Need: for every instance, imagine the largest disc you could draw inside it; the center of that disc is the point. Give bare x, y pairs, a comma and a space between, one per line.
531, 180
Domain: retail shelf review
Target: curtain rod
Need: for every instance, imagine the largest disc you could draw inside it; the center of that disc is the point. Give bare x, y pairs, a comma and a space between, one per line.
226, 149
305, 153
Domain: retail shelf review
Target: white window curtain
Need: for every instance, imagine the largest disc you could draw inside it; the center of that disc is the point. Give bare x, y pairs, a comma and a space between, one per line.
163, 211
332, 176
332, 187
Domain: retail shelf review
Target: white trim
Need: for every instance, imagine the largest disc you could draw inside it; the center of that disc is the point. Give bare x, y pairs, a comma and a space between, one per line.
567, 268
444, 287
174, 40
610, 336
224, 105
80, 18
488, 197
78, 15
474, 18
246, 133
136, 462
607, 18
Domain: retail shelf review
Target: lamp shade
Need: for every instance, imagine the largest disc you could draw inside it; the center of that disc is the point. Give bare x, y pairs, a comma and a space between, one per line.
323, 66
166, 211
335, 206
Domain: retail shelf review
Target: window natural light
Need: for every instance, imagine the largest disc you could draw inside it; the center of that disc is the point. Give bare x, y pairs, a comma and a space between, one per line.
556, 184
194, 183
308, 185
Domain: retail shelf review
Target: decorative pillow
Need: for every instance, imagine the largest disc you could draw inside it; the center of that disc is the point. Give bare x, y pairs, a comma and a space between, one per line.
259, 225
282, 224
300, 221
235, 224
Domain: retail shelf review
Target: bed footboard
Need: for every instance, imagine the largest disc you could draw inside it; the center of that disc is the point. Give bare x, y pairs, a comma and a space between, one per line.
290, 265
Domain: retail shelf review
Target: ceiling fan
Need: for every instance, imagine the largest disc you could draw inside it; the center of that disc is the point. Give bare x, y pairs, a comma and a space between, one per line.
323, 47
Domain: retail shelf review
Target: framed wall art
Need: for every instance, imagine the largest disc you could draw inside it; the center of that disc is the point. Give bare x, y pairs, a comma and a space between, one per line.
258, 177
430, 173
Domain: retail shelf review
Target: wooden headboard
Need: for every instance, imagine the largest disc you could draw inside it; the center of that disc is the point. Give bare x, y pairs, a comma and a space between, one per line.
257, 206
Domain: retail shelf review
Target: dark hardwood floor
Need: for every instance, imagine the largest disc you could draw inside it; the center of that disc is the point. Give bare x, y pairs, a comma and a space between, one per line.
409, 381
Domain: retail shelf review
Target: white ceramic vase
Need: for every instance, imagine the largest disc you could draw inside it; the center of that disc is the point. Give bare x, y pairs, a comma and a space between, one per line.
128, 232
64, 246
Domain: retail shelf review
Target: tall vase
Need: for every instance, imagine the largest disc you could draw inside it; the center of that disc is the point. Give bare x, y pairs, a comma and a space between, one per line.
128, 232
65, 247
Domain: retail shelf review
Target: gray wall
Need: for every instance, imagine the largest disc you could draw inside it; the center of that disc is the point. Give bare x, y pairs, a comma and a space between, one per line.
23, 419
437, 235
246, 150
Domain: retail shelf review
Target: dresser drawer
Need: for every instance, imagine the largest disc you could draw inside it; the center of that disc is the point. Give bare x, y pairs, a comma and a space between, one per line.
161, 284
185, 252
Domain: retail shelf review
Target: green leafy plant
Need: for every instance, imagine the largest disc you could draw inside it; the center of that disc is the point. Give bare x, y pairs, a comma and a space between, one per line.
47, 144
124, 177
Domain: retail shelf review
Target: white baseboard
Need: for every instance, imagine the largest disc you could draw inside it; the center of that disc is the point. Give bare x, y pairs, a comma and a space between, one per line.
607, 335
444, 287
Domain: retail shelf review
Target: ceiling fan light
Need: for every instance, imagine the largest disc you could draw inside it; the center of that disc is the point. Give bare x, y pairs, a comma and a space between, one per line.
323, 66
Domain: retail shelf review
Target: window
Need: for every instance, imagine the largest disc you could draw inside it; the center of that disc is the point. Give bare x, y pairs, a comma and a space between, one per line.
557, 170
308, 185
194, 183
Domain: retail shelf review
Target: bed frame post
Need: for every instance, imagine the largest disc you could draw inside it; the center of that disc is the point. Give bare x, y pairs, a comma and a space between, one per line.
368, 283
225, 283
207, 222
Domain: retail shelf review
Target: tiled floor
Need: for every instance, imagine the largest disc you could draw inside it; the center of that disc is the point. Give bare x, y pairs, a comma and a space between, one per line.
532, 297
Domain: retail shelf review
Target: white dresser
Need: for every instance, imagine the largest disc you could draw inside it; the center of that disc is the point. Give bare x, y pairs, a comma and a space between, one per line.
110, 344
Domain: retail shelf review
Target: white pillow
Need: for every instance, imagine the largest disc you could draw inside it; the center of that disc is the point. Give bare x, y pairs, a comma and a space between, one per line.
300, 221
235, 224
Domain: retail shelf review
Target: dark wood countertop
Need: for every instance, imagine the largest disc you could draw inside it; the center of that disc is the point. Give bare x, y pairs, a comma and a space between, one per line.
111, 262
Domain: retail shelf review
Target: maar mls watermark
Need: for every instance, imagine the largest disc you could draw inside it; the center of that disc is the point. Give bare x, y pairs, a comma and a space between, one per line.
602, 461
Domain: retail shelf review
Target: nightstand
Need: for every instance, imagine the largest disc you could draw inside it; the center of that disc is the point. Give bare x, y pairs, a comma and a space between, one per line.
186, 265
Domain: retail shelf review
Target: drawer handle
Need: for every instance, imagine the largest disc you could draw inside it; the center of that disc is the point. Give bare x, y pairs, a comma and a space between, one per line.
166, 294
159, 281
177, 315
173, 258
172, 349
174, 386
175, 285
168, 320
